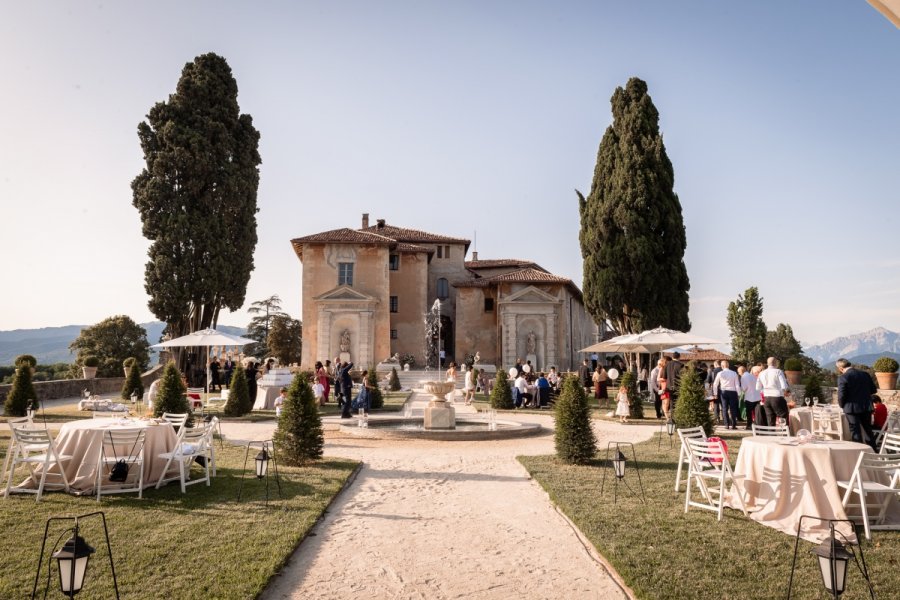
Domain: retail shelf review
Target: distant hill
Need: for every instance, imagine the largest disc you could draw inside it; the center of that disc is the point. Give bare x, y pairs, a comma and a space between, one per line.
869, 359
51, 344
878, 342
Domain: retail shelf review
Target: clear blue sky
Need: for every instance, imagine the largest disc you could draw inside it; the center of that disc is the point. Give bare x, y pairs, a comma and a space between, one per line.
780, 118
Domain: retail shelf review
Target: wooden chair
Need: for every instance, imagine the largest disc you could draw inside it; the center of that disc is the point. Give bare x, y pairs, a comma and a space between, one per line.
35, 449
868, 480
121, 444
710, 469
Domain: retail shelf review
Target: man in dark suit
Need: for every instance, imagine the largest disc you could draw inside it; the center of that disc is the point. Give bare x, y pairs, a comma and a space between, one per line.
855, 389
673, 377
343, 379
584, 374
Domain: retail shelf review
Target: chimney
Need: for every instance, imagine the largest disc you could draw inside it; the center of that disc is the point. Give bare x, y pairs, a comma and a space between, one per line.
474, 255
380, 223
365, 220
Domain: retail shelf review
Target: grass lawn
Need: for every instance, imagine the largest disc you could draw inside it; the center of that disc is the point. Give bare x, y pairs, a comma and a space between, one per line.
663, 553
203, 544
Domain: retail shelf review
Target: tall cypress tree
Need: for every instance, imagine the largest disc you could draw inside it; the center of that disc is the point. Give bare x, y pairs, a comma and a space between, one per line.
197, 198
748, 330
632, 233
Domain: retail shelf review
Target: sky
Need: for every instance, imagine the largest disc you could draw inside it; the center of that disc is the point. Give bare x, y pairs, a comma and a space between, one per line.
474, 119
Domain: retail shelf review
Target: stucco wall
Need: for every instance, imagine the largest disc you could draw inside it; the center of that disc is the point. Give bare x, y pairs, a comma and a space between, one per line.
410, 285
452, 269
476, 330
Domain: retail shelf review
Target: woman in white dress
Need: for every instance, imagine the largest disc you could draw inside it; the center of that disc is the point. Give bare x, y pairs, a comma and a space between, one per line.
622, 408
469, 386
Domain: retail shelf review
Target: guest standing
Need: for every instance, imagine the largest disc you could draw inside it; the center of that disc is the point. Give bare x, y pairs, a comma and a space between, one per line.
673, 376
252, 372
215, 383
469, 386
855, 390
584, 374
228, 367
654, 388
751, 394
880, 416
774, 387
728, 385
600, 379
346, 383
717, 399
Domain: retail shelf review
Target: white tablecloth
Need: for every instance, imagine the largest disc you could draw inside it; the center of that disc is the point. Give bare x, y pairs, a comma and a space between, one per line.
801, 418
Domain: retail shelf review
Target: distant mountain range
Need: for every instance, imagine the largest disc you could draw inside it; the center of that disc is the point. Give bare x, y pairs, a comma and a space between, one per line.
51, 344
862, 348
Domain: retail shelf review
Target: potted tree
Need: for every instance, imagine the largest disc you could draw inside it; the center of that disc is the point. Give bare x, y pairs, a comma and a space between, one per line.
89, 366
127, 364
793, 370
886, 373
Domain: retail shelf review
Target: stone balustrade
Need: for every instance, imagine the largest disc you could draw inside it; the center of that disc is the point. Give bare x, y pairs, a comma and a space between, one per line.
72, 388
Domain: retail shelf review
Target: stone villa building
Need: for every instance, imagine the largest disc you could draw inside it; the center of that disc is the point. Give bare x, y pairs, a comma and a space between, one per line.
366, 292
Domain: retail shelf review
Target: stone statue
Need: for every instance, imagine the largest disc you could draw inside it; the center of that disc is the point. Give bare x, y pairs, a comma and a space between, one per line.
477, 358
345, 341
531, 343
395, 359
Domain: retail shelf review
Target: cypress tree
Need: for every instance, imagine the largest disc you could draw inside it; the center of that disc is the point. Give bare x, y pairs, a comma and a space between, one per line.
239, 402
170, 398
635, 406
501, 395
133, 383
748, 330
632, 232
22, 395
575, 441
376, 398
813, 389
394, 383
298, 436
692, 409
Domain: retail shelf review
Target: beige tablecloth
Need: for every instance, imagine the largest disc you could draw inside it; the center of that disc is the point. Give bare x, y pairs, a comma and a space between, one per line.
265, 397
782, 482
82, 439
801, 418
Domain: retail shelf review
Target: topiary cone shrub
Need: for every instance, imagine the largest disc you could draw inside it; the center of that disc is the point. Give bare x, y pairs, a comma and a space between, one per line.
133, 383
376, 398
22, 395
884, 364
170, 398
575, 441
635, 406
298, 436
239, 403
501, 395
25, 359
692, 409
814, 388
394, 383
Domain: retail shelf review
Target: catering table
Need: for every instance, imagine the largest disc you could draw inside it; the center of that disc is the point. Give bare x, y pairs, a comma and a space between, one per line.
82, 439
782, 482
801, 418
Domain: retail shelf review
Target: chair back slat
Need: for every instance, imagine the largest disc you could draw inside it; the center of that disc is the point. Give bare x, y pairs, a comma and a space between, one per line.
890, 444
691, 432
119, 437
771, 430
31, 437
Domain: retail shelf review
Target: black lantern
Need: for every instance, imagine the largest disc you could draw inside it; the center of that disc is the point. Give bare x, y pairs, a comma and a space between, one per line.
670, 427
262, 463
619, 464
615, 459
833, 560
72, 560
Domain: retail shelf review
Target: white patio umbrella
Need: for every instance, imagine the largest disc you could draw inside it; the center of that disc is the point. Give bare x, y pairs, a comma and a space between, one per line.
207, 338
651, 341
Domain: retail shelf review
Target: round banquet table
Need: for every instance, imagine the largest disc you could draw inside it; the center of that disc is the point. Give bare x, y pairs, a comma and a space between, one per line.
781, 482
82, 439
801, 418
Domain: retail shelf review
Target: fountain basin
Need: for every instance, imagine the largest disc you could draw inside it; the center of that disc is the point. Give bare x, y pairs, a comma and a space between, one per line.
469, 429
439, 389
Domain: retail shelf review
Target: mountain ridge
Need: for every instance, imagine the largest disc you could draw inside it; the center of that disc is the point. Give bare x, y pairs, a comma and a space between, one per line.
878, 340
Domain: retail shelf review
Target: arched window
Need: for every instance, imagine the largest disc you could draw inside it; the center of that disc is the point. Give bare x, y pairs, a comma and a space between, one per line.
443, 289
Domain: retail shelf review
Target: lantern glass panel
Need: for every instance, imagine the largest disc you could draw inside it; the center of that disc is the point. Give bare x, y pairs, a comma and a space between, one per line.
262, 464
840, 573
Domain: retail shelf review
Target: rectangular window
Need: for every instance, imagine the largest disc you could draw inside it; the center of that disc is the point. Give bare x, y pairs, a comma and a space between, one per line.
345, 273
394, 304
440, 252
446, 251
393, 334
488, 305
394, 262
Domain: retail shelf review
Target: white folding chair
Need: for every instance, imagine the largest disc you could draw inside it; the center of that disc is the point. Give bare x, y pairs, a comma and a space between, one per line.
684, 453
773, 430
35, 449
195, 398
710, 469
121, 445
25, 422
191, 443
176, 419
214, 425
827, 423
890, 444
108, 414
870, 471
892, 425
218, 401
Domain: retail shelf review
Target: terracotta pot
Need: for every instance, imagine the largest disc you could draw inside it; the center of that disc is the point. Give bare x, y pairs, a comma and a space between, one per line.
887, 381
89, 372
793, 377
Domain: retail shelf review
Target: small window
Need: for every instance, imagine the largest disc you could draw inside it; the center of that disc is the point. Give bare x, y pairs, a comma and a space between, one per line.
446, 251
394, 262
394, 304
443, 288
440, 252
345, 273
393, 334
488, 305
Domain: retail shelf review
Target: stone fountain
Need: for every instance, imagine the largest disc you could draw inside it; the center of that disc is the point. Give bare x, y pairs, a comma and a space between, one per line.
439, 414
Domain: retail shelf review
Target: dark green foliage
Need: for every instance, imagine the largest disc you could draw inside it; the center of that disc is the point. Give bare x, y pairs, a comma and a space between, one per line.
54, 372
112, 340
197, 198
133, 383
22, 396
748, 330
91, 361
286, 339
782, 344
793, 364
632, 232
170, 397
575, 441
129, 362
813, 388
394, 384
692, 409
239, 401
264, 313
501, 395
635, 406
25, 359
376, 398
885, 364
299, 437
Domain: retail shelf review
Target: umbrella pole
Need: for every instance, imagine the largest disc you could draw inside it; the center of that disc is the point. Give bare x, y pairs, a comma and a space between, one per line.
207, 371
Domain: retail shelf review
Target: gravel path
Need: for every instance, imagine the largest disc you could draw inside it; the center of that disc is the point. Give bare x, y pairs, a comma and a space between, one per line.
444, 520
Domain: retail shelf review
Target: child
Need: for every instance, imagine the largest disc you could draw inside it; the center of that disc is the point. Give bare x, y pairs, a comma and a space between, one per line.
622, 408
319, 392
279, 402
665, 397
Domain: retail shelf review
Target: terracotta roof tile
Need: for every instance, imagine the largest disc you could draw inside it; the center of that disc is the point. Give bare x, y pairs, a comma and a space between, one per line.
405, 247
702, 355
340, 236
500, 262
403, 234
528, 275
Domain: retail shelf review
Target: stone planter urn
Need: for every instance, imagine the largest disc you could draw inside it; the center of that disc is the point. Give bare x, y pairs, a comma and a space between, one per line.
89, 372
439, 414
886, 381
794, 377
